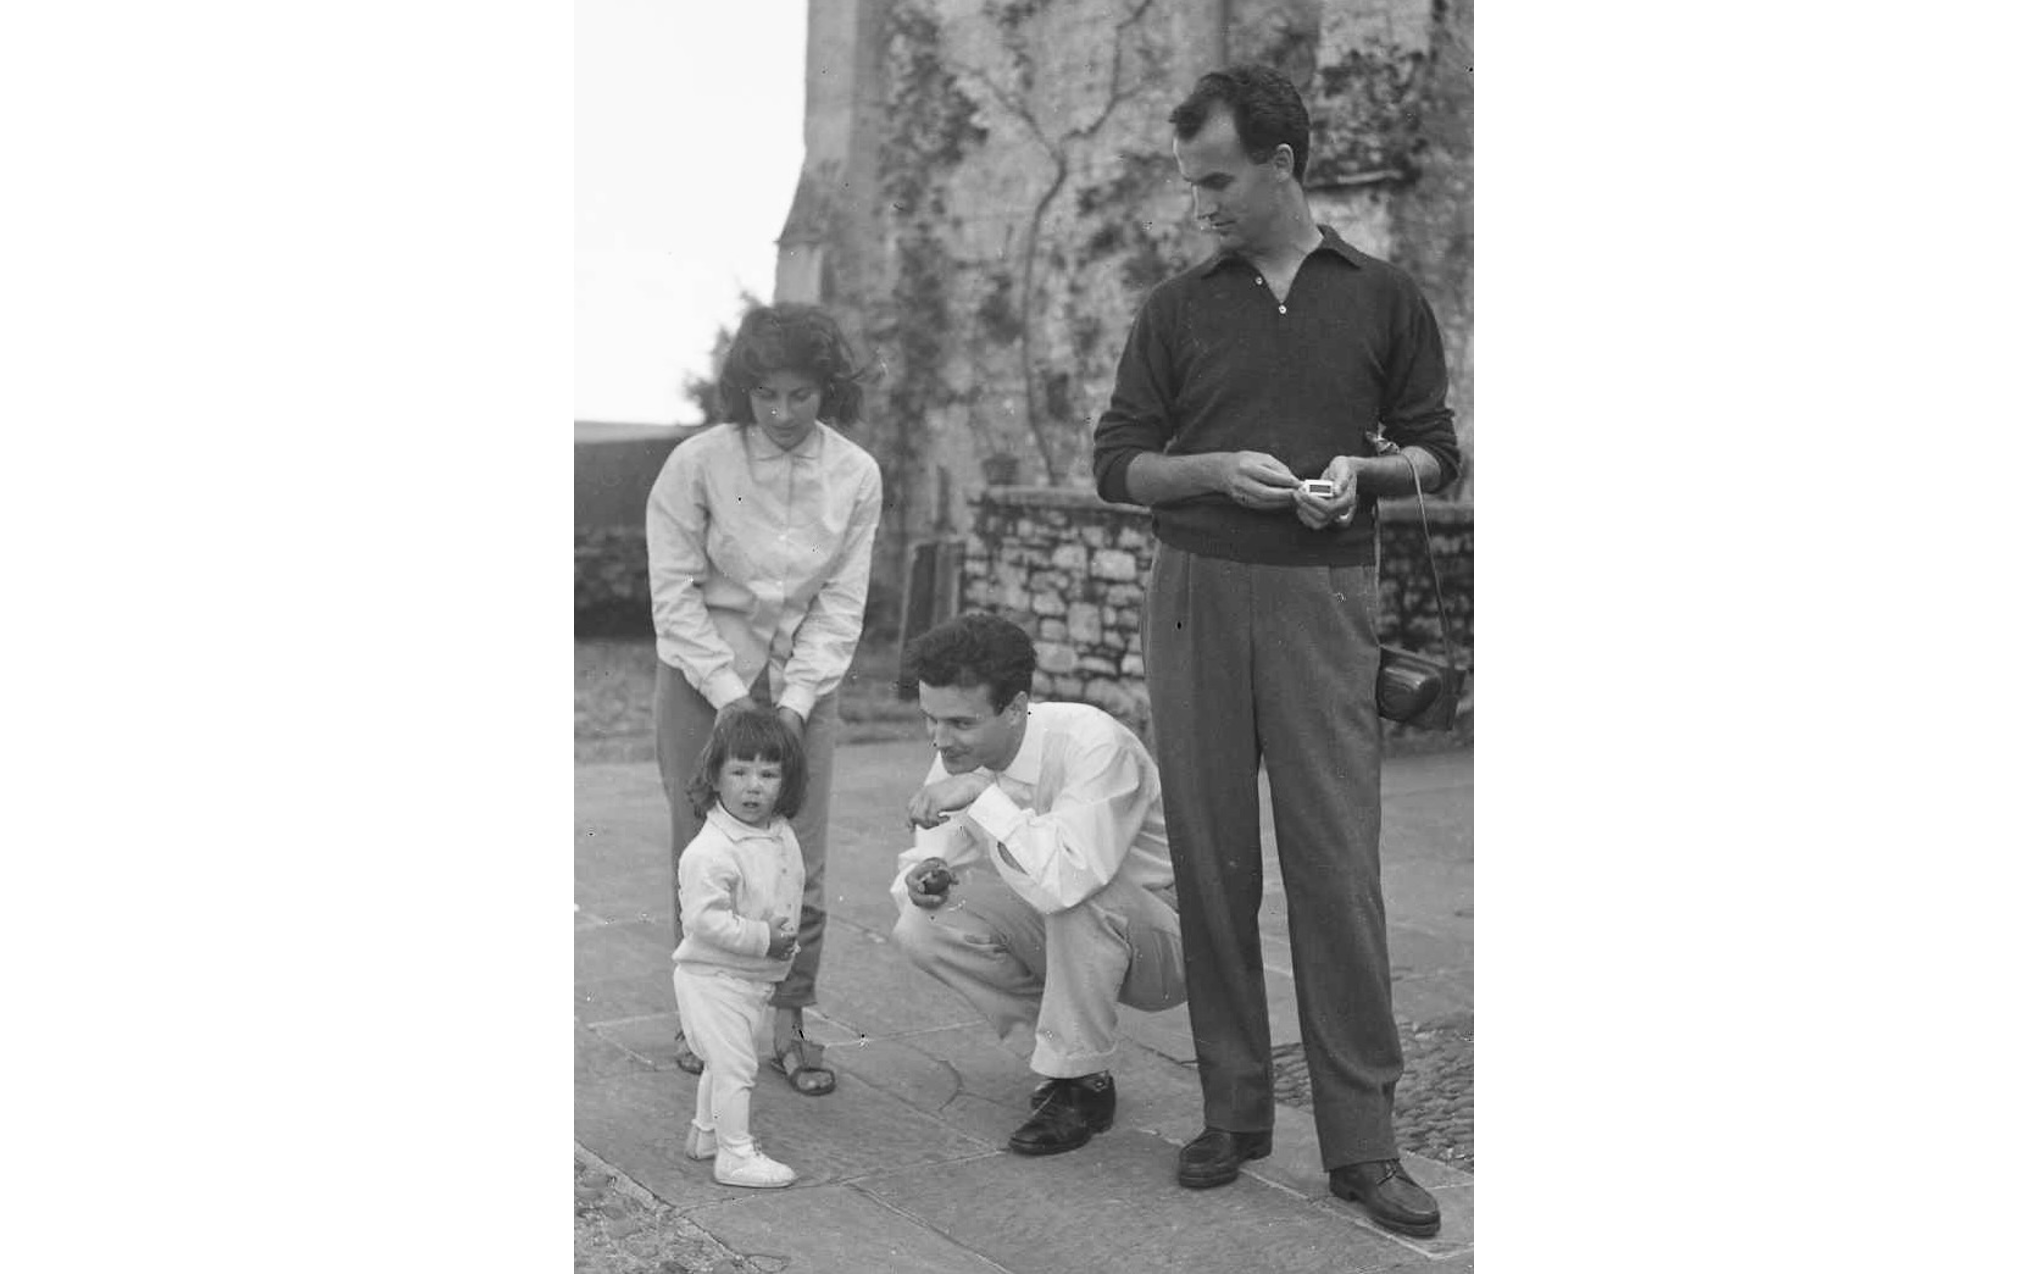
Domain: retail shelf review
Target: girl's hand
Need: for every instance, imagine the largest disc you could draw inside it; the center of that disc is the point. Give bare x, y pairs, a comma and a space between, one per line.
784, 942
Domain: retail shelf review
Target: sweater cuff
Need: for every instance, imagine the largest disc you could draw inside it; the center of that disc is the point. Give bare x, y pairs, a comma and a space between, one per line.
1112, 482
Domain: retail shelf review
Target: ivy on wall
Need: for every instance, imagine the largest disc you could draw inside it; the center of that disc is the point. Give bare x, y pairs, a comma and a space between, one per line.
1144, 256
1018, 310
1365, 125
932, 125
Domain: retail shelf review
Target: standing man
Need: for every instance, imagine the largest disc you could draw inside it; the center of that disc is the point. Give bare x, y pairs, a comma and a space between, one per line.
1038, 886
1270, 363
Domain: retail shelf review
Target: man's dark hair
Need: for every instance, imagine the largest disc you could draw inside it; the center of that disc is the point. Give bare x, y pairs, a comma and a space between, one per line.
1266, 110
792, 338
971, 650
753, 734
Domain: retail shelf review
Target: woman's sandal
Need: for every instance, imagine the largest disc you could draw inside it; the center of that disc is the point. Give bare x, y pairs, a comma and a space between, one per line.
684, 1057
801, 1062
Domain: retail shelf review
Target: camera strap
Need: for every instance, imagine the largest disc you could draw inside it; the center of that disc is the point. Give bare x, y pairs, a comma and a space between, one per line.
1384, 447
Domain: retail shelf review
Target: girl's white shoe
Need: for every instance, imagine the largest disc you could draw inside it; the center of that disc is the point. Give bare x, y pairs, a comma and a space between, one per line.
700, 1141
752, 1168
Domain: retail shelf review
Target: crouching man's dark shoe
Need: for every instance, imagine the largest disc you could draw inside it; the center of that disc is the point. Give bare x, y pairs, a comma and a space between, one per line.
1066, 1114
1389, 1196
1215, 1157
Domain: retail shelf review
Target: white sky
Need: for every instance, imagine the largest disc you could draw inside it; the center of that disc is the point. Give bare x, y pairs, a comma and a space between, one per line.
687, 132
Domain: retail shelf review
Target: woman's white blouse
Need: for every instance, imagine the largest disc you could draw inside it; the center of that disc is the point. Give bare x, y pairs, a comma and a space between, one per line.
761, 558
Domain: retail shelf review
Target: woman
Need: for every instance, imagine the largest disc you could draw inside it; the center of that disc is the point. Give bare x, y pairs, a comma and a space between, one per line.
759, 533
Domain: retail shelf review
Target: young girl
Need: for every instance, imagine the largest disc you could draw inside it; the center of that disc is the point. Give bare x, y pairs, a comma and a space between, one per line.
740, 899
759, 534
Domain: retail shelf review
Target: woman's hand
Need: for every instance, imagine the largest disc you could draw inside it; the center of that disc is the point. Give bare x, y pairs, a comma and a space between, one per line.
784, 942
794, 722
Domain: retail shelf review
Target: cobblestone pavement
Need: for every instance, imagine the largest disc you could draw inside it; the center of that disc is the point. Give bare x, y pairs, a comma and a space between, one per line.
1434, 1101
619, 1229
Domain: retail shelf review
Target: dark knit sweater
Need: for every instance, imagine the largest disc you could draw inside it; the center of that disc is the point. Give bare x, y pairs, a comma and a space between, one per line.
1214, 364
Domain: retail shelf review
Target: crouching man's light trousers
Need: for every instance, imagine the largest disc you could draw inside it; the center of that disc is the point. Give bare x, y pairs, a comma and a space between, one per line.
1056, 980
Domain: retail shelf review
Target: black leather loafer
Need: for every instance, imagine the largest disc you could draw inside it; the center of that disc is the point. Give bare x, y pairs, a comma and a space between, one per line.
1067, 1112
1389, 1196
1214, 1158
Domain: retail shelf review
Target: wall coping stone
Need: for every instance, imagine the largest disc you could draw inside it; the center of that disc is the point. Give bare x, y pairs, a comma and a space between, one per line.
1053, 498
1446, 512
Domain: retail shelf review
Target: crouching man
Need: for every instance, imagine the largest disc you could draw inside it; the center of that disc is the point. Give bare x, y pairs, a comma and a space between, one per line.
1039, 885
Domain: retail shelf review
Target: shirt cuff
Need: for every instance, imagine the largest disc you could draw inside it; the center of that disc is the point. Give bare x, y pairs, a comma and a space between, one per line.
799, 698
1002, 820
724, 689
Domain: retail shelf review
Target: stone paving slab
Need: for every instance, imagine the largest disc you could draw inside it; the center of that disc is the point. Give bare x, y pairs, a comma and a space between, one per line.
1166, 1032
863, 876
1457, 1263
1411, 949
866, 984
1018, 1212
633, 995
1455, 1214
648, 1038
596, 1058
1426, 997
858, 890
620, 833
959, 1077
968, 1080
1427, 849
622, 970
638, 1123
834, 1230
853, 1132
1432, 974
619, 949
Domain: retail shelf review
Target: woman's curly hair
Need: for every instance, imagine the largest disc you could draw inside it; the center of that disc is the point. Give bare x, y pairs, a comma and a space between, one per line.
793, 338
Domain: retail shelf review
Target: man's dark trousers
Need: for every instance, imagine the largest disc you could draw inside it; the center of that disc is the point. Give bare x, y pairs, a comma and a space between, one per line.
1248, 662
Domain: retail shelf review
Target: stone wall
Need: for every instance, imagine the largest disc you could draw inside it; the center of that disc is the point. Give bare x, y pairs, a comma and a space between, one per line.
1072, 570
